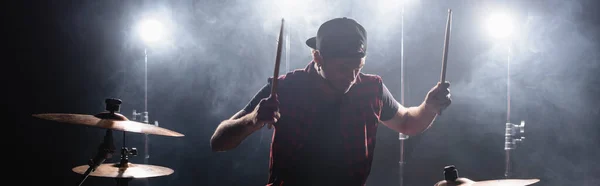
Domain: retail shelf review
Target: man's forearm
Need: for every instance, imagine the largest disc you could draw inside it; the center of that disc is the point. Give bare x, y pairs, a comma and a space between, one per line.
418, 119
230, 133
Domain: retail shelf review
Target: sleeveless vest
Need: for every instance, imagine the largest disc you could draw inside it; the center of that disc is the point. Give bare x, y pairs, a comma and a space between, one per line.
300, 93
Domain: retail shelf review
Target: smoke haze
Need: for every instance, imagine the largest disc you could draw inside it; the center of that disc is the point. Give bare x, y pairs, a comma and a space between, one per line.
217, 54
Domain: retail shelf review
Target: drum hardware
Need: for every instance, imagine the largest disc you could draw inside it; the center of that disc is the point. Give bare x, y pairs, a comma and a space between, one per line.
451, 178
123, 171
514, 134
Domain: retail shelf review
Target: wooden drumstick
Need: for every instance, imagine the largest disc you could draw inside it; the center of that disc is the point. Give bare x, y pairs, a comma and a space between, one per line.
445, 53
277, 61
446, 43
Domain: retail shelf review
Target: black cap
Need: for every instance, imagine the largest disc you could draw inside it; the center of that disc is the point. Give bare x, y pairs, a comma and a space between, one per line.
340, 37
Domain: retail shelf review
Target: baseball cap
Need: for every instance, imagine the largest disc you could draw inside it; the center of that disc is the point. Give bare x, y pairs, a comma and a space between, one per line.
340, 37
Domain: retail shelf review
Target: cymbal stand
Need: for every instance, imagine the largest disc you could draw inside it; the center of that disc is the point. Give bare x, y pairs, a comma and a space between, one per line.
113, 106
124, 162
107, 147
105, 151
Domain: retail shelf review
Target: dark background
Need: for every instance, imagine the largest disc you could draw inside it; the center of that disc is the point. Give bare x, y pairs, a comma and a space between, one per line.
68, 56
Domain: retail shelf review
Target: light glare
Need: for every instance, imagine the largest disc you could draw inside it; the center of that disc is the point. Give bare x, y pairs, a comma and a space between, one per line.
499, 26
150, 30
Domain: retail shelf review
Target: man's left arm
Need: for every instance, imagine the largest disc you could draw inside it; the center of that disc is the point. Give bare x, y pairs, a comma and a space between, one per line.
414, 120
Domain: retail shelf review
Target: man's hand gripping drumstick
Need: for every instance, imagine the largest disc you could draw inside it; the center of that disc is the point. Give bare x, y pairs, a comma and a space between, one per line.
267, 111
438, 98
231, 132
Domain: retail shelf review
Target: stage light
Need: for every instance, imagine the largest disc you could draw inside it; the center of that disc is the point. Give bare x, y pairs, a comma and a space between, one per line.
150, 30
500, 26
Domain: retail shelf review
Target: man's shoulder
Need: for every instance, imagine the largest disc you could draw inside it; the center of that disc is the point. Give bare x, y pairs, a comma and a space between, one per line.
370, 78
291, 74
369, 75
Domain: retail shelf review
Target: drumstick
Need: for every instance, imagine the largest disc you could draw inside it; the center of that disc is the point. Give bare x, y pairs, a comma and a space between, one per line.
446, 43
277, 61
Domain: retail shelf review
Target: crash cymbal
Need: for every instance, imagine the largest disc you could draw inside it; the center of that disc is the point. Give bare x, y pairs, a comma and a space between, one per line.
108, 120
506, 182
112, 170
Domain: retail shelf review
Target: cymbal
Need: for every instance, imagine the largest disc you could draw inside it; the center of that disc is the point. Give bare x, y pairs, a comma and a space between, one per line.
501, 182
113, 121
506, 182
112, 170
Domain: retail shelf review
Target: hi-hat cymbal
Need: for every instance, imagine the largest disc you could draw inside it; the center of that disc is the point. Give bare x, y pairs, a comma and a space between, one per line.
112, 170
506, 182
113, 121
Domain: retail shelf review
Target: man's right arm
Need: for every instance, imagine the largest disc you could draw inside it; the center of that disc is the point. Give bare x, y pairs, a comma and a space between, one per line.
231, 132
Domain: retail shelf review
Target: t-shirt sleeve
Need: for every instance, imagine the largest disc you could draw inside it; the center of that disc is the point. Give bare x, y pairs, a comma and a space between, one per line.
390, 105
264, 92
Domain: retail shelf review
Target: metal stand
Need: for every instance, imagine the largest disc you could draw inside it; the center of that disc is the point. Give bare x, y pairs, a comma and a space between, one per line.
402, 162
513, 133
145, 117
402, 137
107, 147
146, 136
124, 162
105, 151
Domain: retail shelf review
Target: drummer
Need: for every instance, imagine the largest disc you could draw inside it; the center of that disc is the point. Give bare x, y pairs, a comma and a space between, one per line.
326, 115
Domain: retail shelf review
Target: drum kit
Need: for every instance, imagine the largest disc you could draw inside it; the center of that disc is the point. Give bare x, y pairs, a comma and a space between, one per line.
123, 171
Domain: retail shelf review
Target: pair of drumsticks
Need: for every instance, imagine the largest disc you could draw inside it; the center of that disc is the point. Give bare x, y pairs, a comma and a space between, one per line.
280, 39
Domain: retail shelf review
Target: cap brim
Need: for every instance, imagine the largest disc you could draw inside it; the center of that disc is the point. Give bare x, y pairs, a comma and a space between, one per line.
312, 42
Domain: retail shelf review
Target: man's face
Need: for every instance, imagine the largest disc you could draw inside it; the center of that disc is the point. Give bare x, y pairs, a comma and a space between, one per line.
342, 72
